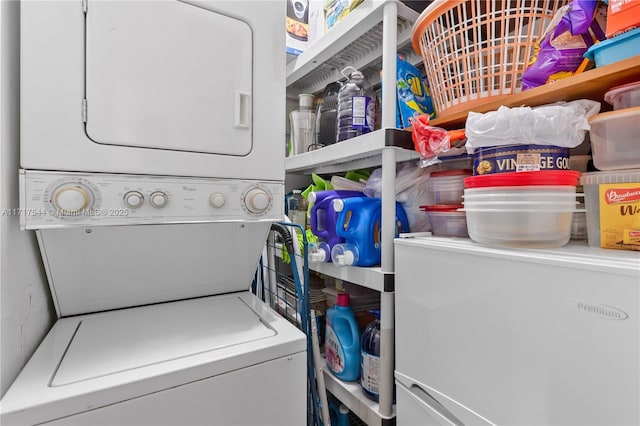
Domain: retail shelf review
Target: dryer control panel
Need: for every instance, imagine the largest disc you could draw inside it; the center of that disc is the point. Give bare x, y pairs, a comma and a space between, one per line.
60, 199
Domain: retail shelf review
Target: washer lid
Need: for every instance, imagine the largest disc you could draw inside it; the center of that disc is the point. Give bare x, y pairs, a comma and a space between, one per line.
124, 340
168, 75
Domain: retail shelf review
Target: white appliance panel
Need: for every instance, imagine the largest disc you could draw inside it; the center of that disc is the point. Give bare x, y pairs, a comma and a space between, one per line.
417, 409
109, 344
521, 336
136, 112
222, 400
178, 390
102, 268
57, 200
139, 55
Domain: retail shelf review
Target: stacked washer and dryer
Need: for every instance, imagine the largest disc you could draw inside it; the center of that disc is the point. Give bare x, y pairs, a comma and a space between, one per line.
152, 169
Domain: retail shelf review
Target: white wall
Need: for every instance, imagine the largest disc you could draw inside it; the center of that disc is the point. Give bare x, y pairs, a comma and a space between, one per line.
25, 302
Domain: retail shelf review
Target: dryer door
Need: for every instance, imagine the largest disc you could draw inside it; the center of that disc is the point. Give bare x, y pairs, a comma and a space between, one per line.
139, 56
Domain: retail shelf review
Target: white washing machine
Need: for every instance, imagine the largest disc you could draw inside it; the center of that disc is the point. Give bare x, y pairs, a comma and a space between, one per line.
151, 147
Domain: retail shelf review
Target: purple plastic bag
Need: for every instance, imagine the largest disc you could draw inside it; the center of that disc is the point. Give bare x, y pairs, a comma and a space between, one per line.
569, 35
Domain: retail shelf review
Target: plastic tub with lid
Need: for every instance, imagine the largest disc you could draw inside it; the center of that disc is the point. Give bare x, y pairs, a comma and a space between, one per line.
446, 220
448, 185
505, 213
625, 96
591, 183
615, 143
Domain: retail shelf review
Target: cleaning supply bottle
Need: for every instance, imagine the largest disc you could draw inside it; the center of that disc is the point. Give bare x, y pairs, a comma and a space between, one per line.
303, 124
359, 222
356, 106
339, 414
323, 222
297, 208
342, 340
370, 350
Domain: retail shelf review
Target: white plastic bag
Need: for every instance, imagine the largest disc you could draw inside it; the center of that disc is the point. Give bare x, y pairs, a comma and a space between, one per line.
560, 124
411, 192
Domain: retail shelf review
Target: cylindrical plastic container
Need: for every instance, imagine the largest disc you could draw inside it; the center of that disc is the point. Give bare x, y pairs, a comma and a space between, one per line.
448, 185
370, 348
356, 107
342, 340
323, 219
625, 96
521, 209
303, 123
519, 158
359, 223
446, 220
297, 207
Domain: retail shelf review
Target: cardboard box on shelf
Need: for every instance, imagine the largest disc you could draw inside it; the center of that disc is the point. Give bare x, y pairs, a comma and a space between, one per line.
297, 26
622, 16
335, 10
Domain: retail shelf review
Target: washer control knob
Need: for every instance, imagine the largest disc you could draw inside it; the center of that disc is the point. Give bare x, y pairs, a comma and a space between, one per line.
71, 199
133, 199
257, 200
158, 199
217, 200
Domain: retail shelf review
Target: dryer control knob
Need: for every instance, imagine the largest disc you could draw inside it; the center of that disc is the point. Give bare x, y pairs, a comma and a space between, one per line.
217, 200
158, 199
257, 200
71, 199
133, 199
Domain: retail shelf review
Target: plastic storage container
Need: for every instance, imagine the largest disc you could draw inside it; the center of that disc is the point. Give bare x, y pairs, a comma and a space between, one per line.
615, 144
591, 183
342, 340
625, 96
370, 348
446, 220
356, 109
359, 223
448, 185
615, 49
521, 209
323, 219
519, 158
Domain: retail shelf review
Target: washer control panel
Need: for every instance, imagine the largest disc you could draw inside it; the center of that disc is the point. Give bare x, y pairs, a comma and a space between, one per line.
57, 199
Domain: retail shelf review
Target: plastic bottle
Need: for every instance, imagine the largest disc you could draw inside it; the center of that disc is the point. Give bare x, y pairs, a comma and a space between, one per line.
303, 123
359, 223
342, 340
370, 349
356, 106
297, 206
323, 219
339, 414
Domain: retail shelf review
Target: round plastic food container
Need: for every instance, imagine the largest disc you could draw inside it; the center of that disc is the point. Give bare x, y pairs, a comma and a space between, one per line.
615, 143
448, 185
522, 209
625, 96
446, 220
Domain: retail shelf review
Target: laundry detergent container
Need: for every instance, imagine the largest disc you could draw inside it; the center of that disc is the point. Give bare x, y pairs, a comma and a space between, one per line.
524, 209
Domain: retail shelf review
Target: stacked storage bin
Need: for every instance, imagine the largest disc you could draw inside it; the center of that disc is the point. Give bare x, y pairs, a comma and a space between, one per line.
612, 196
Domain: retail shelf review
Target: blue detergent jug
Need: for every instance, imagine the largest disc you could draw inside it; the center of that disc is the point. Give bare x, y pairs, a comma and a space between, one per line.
359, 221
339, 414
323, 222
342, 340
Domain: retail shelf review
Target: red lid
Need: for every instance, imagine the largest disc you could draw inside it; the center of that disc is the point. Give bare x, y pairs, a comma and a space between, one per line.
542, 177
342, 299
441, 207
456, 172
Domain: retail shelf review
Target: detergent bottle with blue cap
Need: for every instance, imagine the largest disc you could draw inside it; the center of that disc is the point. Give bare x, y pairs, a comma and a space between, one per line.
323, 219
359, 222
342, 340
